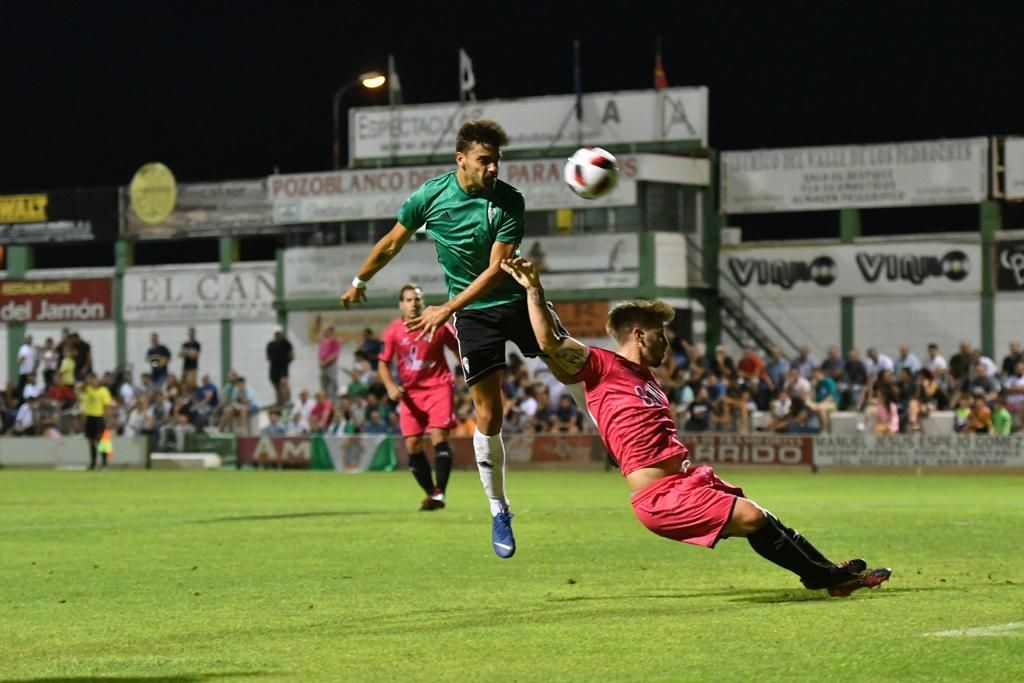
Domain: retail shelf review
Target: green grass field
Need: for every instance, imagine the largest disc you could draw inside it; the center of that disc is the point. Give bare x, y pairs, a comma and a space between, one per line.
299, 576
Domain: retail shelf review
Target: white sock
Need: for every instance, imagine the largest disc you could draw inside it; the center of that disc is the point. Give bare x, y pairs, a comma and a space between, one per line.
580, 396
491, 450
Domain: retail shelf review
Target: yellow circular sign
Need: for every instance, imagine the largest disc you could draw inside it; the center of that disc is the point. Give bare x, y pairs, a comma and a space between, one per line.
153, 193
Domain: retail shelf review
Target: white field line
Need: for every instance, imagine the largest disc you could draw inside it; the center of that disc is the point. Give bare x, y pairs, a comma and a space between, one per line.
1015, 628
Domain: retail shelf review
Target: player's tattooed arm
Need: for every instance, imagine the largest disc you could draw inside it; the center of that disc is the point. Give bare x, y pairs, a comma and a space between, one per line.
566, 352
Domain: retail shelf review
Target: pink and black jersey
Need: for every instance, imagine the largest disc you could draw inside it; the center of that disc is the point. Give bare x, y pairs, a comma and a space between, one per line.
630, 409
421, 363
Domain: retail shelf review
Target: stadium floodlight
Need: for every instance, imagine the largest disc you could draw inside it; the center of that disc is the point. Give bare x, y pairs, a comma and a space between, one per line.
370, 80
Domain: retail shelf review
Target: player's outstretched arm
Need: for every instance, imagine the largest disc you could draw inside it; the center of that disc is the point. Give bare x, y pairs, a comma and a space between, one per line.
567, 353
386, 249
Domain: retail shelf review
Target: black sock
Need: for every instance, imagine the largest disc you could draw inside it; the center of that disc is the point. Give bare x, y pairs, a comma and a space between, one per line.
92, 455
776, 543
443, 464
805, 545
420, 468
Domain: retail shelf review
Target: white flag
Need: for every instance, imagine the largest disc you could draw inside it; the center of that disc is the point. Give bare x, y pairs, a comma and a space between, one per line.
467, 81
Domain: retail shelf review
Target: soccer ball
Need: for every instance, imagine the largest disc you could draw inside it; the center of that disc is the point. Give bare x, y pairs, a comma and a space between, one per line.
591, 172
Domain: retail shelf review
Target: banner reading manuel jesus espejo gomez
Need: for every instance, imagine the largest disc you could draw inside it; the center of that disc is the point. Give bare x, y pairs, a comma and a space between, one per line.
64, 300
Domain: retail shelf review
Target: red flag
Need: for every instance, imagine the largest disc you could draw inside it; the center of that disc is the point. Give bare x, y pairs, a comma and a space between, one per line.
660, 79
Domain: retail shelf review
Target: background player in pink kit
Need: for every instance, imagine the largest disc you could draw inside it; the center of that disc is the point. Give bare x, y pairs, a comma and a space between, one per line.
425, 393
631, 411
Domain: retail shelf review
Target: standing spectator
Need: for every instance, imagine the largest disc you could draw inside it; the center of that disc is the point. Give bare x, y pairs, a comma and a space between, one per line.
330, 347
907, 360
158, 356
878, 362
280, 355
960, 365
83, 356
855, 378
95, 399
28, 359
50, 360
1012, 359
371, 346
189, 354
805, 362
68, 368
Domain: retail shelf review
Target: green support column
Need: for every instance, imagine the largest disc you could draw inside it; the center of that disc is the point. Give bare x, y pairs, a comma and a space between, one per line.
228, 255
124, 256
991, 222
849, 231
647, 280
20, 260
712, 239
282, 312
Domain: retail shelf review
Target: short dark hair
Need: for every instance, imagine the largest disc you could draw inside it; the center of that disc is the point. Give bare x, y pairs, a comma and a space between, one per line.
623, 317
483, 131
407, 287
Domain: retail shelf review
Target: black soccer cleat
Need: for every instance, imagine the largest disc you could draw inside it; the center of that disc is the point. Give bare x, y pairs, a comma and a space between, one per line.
842, 571
869, 578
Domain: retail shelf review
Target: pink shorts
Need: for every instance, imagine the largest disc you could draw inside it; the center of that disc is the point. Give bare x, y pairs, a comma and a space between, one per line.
693, 506
425, 409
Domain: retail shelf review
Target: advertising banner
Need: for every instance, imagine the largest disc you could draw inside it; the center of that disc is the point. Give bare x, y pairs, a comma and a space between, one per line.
715, 448
199, 294
855, 176
237, 207
1009, 267
64, 300
609, 261
59, 216
868, 269
533, 123
1013, 158
379, 193
912, 450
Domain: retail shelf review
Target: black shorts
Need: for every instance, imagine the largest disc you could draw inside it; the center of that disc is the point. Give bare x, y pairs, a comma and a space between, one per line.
94, 427
482, 333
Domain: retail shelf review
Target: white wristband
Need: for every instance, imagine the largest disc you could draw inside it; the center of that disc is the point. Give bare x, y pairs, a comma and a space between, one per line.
357, 283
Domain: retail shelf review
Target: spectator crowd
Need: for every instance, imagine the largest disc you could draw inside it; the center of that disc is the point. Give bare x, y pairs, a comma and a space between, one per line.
707, 392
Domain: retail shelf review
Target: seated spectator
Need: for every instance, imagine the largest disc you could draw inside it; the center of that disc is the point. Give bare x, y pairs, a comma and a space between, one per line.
340, 424
775, 370
205, 401
980, 419
135, 421
960, 365
24, 419
833, 364
275, 428
243, 406
936, 364
803, 419
928, 396
826, 396
375, 423
981, 385
466, 421
732, 410
990, 365
804, 362
61, 394
1012, 359
179, 426
1014, 393
721, 363
567, 418
877, 362
883, 412
127, 392
298, 426
1002, 421
907, 360
323, 411
698, 413
961, 413
781, 412
797, 385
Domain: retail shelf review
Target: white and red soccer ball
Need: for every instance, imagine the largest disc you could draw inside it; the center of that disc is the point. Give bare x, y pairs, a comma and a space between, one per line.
591, 172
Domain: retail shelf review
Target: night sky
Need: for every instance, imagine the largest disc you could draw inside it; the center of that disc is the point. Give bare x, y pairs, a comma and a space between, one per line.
232, 90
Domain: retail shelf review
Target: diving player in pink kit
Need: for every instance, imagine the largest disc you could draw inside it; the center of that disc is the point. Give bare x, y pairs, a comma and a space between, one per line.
425, 394
632, 413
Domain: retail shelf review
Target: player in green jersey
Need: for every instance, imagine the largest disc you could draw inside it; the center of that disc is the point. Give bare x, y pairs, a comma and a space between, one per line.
476, 221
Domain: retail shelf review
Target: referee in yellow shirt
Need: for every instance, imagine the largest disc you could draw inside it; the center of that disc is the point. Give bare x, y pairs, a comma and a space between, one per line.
94, 400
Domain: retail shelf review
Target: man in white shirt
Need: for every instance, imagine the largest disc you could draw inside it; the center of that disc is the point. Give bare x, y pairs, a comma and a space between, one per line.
936, 363
878, 362
24, 421
28, 359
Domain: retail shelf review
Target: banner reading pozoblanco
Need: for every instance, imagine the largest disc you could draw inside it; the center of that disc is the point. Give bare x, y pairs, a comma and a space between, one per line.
184, 293
872, 269
533, 123
855, 176
610, 261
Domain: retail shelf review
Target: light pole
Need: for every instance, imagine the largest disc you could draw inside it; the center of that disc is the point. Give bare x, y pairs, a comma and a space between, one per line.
371, 80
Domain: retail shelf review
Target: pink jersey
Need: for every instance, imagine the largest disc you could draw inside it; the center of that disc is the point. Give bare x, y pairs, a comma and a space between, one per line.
630, 409
421, 364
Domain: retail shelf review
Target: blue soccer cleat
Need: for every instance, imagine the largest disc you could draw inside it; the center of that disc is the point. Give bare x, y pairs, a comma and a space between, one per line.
501, 535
